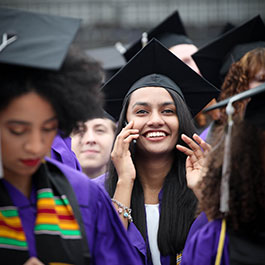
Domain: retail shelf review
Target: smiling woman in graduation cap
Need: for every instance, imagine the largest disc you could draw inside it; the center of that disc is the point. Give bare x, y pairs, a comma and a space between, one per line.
49, 212
233, 191
152, 95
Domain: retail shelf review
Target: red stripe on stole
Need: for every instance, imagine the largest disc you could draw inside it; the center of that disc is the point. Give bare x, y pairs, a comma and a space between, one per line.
45, 210
60, 216
18, 229
66, 217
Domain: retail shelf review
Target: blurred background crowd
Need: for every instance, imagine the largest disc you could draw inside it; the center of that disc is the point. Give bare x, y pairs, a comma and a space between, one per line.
104, 22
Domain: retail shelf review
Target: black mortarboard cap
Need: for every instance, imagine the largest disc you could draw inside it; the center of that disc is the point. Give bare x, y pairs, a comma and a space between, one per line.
222, 51
255, 110
40, 41
228, 26
156, 60
108, 116
110, 58
103, 115
169, 32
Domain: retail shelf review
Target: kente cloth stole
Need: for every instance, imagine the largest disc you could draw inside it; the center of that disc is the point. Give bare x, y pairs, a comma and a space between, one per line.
55, 216
57, 232
178, 258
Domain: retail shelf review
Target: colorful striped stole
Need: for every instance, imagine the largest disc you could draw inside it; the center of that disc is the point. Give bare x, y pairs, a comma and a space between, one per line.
59, 237
12, 235
178, 258
55, 216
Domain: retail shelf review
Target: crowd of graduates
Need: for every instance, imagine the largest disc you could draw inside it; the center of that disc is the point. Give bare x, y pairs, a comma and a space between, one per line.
100, 168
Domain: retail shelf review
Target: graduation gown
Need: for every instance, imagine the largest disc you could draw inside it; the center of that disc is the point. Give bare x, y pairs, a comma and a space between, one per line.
136, 237
201, 248
241, 248
107, 239
204, 133
61, 151
200, 221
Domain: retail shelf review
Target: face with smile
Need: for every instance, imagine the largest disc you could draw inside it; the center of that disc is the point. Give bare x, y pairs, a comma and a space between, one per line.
93, 145
154, 114
28, 126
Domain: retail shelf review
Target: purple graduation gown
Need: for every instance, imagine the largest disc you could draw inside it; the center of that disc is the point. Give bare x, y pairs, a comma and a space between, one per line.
200, 221
136, 237
62, 152
204, 133
107, 239
201, 248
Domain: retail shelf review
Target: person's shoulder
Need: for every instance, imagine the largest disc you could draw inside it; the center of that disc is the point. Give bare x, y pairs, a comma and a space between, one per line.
70, 172
80, 183
209, 230
201, 247
205, 237
198, 223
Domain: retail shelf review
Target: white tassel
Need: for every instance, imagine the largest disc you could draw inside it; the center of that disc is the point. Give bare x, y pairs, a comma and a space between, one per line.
6, 40
144, 39
120, 48
1, 165
226, 170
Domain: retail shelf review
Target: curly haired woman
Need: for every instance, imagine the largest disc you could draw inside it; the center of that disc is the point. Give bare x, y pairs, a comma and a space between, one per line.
245, 74
243, 241
49, 212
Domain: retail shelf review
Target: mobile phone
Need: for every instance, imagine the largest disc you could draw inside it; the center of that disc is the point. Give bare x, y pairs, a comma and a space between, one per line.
134, 140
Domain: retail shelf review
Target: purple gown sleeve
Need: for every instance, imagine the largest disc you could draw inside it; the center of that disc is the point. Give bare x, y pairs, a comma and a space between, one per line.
133, 233
107, 239
201, 248
112, 245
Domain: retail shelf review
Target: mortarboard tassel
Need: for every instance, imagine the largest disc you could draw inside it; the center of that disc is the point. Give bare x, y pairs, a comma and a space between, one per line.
144, 39
120, 48
226, 170
6, 40
1, 165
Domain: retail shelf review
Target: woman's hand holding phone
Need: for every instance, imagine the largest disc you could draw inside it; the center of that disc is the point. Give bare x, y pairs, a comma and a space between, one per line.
121, 155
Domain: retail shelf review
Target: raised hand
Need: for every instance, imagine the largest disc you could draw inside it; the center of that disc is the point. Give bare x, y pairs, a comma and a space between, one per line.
195, 163
122, 160
121, 155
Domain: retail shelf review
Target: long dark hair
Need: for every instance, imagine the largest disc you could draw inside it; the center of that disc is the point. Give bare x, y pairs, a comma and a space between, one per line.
178, 202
